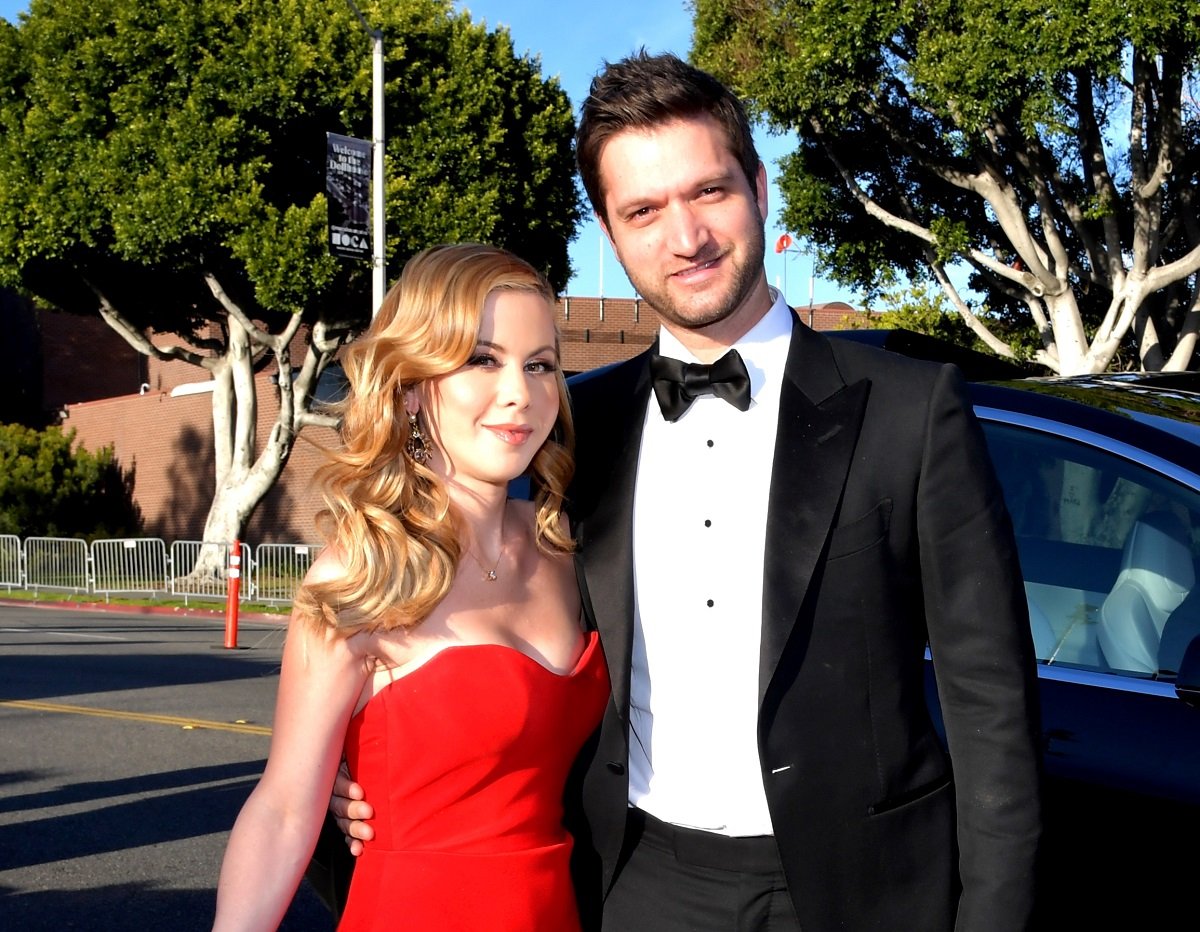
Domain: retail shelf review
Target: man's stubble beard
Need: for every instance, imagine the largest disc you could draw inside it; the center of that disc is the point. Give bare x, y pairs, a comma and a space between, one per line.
743, 282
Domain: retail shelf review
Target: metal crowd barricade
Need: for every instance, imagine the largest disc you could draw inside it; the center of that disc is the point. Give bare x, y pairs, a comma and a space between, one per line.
10, 562
200, 570
279, 569
133, 564
56, 563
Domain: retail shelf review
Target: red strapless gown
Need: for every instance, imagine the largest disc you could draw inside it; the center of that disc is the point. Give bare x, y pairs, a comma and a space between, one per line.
464, 760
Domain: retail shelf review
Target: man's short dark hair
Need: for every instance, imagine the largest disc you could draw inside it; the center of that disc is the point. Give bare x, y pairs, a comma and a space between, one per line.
646, 91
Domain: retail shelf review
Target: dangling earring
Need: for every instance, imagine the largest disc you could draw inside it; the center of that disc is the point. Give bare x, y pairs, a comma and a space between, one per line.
417, 446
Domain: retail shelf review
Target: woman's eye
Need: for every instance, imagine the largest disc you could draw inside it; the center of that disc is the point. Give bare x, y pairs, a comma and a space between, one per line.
540, 365
482, 359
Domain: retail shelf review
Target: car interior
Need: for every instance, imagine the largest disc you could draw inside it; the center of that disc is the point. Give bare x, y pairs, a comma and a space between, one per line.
1109, 552
1156, 576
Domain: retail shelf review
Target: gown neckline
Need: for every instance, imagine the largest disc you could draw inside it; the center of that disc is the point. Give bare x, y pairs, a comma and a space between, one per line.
591, 639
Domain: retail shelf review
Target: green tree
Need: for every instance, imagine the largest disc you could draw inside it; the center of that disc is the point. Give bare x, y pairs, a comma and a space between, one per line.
1049, 144
50, 488
918, 309
163, 164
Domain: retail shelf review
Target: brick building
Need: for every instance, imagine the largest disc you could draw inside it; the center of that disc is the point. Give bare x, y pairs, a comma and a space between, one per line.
157, 415
598, 331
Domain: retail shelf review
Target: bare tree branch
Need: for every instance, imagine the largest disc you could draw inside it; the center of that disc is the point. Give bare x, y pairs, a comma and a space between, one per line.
138, 339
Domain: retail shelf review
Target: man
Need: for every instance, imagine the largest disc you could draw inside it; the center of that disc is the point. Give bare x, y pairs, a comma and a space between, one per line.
765, 565
764, 581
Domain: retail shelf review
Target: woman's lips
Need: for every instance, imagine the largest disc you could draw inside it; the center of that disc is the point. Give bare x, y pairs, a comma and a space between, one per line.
511, 433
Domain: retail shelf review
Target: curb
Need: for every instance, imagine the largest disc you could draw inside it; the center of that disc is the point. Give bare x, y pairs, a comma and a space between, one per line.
176, 611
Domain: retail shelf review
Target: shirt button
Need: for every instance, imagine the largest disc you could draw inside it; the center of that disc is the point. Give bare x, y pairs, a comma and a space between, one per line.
710, 603
710, 443
707, 522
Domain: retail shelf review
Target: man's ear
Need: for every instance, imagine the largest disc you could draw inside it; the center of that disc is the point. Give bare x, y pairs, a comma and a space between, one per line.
760, 190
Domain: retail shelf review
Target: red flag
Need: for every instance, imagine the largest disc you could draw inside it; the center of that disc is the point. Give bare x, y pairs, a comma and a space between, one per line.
784, 242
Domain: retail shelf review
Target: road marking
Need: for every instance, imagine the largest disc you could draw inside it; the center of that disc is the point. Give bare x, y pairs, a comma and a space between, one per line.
187, 723
62, 634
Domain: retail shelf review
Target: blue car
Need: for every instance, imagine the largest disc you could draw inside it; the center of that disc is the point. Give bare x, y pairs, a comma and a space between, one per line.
1102, 479
1101, 475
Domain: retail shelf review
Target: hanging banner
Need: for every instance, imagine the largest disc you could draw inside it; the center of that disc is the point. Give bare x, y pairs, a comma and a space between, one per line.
348, 193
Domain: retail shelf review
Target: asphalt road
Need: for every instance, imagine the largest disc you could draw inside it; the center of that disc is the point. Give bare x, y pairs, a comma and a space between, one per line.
127, 746
128, 743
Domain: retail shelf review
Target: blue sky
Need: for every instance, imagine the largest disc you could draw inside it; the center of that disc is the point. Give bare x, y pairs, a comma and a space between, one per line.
573, 40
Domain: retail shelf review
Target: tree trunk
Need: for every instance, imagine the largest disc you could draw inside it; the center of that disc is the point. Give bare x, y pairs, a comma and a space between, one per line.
244, 474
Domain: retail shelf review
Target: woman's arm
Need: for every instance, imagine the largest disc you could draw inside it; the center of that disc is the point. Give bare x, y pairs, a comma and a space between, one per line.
319, 686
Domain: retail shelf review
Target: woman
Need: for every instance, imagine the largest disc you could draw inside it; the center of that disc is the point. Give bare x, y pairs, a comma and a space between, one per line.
437, 637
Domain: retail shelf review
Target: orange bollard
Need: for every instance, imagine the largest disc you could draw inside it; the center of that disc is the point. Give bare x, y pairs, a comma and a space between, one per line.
231, 595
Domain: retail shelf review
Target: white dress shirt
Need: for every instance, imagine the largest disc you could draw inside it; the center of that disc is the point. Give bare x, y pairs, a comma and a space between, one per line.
699, 528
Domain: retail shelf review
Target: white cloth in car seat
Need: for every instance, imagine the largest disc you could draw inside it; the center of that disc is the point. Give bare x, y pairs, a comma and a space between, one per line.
1156, 576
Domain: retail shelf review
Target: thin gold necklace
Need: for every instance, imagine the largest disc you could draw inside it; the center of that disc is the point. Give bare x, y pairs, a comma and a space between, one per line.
489, 575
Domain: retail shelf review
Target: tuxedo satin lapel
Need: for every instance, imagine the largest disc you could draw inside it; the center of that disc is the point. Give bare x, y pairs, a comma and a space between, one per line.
606, 536
819, 422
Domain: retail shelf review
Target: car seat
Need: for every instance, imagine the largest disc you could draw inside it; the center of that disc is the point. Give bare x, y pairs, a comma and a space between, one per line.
1181, 629
1156, 575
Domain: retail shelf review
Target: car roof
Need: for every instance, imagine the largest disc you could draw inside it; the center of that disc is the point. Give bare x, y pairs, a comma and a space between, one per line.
1157, 412
1160, 420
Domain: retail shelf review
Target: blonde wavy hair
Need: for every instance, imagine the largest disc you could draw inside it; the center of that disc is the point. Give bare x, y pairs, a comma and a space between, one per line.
389, 518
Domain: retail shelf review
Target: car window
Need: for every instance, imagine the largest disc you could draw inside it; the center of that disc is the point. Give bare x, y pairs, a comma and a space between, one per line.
1109, 552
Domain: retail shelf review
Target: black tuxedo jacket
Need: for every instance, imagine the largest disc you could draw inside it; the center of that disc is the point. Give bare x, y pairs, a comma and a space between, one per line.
885, 531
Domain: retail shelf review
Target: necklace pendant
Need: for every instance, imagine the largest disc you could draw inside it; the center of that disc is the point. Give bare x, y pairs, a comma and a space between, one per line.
491, 576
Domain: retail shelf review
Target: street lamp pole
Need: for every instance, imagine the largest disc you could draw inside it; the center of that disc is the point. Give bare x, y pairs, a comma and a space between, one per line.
378, 225
783, 246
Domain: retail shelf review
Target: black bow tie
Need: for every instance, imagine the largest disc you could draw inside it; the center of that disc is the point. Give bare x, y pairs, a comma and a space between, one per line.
677, 384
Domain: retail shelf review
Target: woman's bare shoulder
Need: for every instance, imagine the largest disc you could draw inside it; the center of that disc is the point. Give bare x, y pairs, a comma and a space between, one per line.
330, 565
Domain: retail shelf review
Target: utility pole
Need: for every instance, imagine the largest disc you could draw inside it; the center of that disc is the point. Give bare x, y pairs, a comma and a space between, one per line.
378, 226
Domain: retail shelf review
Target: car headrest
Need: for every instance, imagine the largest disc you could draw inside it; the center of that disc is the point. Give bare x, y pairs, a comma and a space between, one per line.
1158, 561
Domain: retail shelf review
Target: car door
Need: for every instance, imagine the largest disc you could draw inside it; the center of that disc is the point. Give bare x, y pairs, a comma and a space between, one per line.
1109, 542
